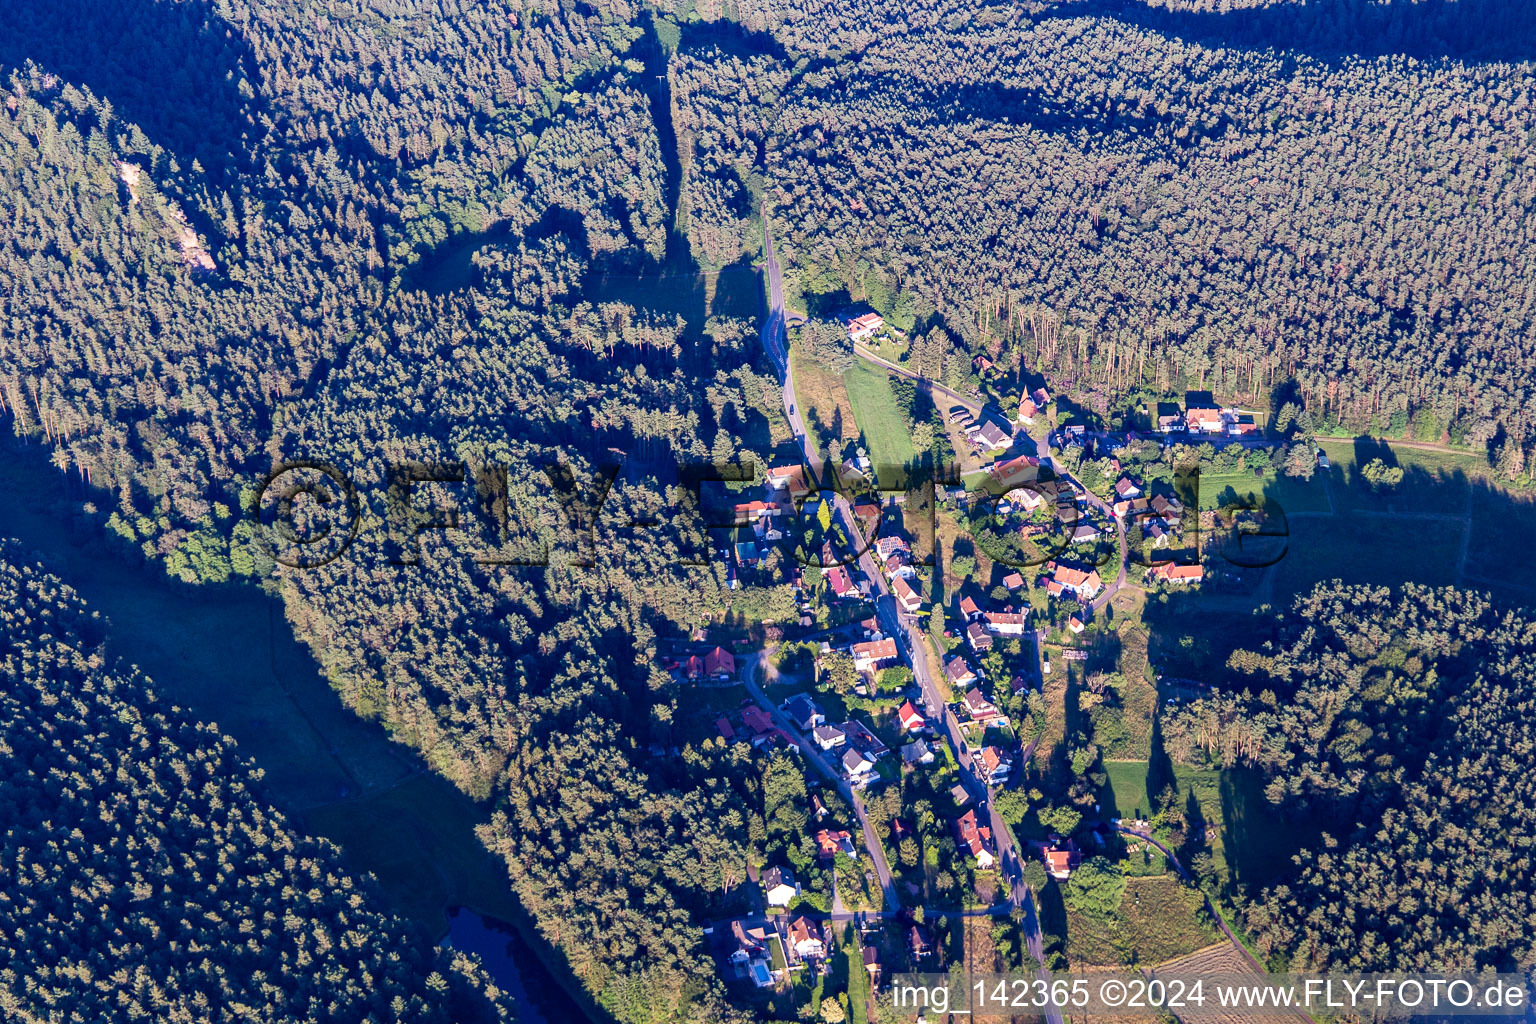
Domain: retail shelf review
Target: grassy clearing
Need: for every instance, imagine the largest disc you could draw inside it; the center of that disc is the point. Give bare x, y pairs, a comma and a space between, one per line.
1159, 919
874, 410
1251, 844
824, 405
1217, 489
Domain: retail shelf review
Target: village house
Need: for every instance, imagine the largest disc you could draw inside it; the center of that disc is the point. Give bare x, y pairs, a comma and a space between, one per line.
857, 768
828, 736
805, 939
978, 707
1006, 623
830, 843
974, 839
995, 766
919, 942
1013, 581
755, 510
1129, 507
958, 794
1084, 533
779, 887
874, 654
1075, 624
1156, 533
861, 327
1125, 487
867, 742
1205, 421
993, 436
969, 609
1025, 499
916, 752
790, 479
840, 582
910, 718
720, 663
750, 957
1010, 473
1076, 581
1170, 573
959, 673
983, 365
1028, 410
1061, 860
908, 598
803, 712
871, 957
977, 636
1166, 508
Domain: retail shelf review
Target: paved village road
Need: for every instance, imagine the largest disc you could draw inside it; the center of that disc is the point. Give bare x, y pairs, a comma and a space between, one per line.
901, 626
808, 748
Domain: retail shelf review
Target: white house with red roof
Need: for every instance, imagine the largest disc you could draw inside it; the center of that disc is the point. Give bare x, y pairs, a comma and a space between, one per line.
840, 581
908, 598
911, 719
873, 654
974, 839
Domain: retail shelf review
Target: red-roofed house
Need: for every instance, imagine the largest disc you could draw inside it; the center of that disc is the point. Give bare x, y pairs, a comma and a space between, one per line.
874, 654
1013, 581
974, 839
789, 478
840, 581
911, 718
1177, 573
1075, 624
720, 662
1060, 860
1028, 410
830, 843
969, 609
861, 327
908, 598
1084, 584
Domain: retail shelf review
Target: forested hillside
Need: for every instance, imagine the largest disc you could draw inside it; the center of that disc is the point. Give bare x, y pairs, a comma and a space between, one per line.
1410, 713
222, 222
1126, 195
144, 879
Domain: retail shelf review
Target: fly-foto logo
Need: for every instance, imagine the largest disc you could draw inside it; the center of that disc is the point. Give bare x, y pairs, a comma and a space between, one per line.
310, 512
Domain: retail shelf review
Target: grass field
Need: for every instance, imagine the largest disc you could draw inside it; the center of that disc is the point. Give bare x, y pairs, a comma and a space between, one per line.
824, 406
1159, 919
1217, 489
1252, 844
879, 420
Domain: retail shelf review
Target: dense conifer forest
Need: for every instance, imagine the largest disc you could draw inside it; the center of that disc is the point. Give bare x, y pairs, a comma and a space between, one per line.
1405, 716
1335, 195
145, 879
221, 225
